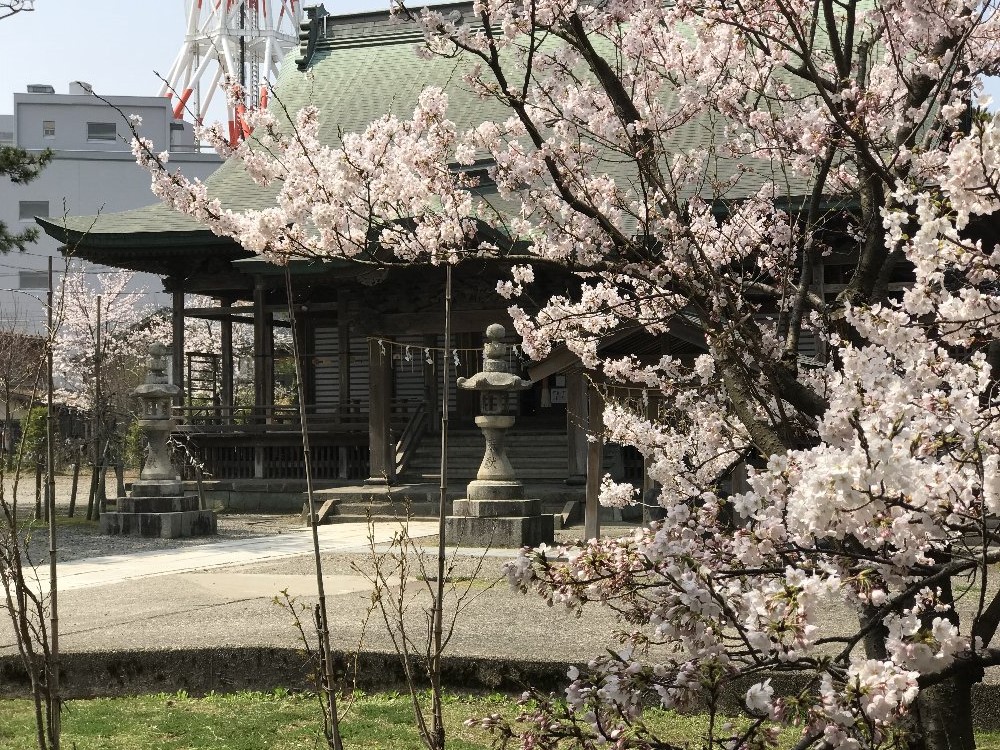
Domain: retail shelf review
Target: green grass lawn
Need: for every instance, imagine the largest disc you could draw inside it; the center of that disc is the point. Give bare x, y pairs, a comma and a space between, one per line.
283, 721
241, 721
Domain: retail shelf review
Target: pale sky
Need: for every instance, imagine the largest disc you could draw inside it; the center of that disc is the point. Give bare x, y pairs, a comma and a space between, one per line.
114, 45
117, 46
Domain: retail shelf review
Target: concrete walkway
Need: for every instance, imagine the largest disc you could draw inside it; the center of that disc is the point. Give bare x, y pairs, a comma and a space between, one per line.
333, 539
221, 595
203, 618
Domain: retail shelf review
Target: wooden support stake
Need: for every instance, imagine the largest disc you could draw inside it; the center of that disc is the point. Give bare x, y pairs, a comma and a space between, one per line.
38, 490
576, 427
76, 482
595, 453
92, 495
120, 479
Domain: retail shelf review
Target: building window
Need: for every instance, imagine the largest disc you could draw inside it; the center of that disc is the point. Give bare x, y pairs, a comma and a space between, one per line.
28, 210
102, 131
33, 279
48, 128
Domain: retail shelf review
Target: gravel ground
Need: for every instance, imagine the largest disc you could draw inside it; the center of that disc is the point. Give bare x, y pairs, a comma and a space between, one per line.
78, 538
82, 539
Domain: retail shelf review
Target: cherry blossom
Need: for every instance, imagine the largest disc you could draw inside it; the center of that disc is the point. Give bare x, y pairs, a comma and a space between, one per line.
125, 326
709, 170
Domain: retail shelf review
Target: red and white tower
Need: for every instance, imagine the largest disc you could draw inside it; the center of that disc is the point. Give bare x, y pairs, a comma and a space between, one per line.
242, 41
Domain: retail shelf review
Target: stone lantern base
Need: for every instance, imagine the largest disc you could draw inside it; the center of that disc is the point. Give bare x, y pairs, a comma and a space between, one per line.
504, 532
158, 509
491, 517
494, 512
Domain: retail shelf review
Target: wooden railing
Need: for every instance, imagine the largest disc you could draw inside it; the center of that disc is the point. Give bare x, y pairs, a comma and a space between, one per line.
223, 456
214, 418
266, 442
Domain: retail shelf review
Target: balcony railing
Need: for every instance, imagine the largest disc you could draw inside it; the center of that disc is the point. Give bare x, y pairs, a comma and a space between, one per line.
265, 442
352, 416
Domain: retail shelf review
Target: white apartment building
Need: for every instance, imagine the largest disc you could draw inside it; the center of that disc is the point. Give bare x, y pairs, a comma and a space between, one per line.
92, 172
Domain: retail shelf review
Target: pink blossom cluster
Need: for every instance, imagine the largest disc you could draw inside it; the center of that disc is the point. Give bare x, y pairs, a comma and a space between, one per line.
697, 167
127, 329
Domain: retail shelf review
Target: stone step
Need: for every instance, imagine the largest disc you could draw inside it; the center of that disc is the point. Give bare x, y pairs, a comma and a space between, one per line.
462, 479
486, 540
470, 457
395, 509
418, 475
525, 456
177, 504
164, 525
471, 466
477, 449
551, 438
375, 518
516, 437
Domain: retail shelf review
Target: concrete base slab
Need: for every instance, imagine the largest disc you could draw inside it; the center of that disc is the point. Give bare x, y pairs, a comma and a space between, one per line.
227, 669
571, 513
281, 496
163, 525
509, 532
156, 504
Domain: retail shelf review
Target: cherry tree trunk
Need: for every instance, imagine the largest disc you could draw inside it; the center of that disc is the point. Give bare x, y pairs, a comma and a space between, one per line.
945, 715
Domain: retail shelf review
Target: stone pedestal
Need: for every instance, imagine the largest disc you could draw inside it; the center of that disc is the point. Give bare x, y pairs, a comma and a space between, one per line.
164, 517
504, 532
495, 512
157, 506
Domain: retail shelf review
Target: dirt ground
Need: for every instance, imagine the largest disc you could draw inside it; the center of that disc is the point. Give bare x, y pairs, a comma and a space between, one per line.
78, 538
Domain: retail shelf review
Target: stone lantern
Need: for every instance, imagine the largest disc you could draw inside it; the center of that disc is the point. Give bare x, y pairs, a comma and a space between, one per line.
156, 396
495, 512
157, 506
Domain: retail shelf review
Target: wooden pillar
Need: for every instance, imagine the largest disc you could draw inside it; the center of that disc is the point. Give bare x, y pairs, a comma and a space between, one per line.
226, 395
263, 349
343, 352
595, 452
381, 461
268, 359
177, 324
652, 414
344, 406
306, 347
576, 426
263, 370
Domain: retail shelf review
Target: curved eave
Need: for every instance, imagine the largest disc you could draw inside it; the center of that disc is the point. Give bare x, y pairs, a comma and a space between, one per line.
150, 252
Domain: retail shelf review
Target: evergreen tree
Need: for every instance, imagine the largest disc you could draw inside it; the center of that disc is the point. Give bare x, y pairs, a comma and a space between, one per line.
21, 167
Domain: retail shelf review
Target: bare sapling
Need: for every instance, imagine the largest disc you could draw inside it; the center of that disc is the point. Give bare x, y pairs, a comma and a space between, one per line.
421, 604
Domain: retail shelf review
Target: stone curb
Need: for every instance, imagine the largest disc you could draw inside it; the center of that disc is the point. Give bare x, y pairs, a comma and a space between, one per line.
230, 669
94, 674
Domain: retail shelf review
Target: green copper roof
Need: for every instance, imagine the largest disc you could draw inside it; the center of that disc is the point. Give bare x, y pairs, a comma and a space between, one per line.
365, 68
362, 67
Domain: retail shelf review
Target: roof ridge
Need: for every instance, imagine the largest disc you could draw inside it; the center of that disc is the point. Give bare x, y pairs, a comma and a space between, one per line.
322, 30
